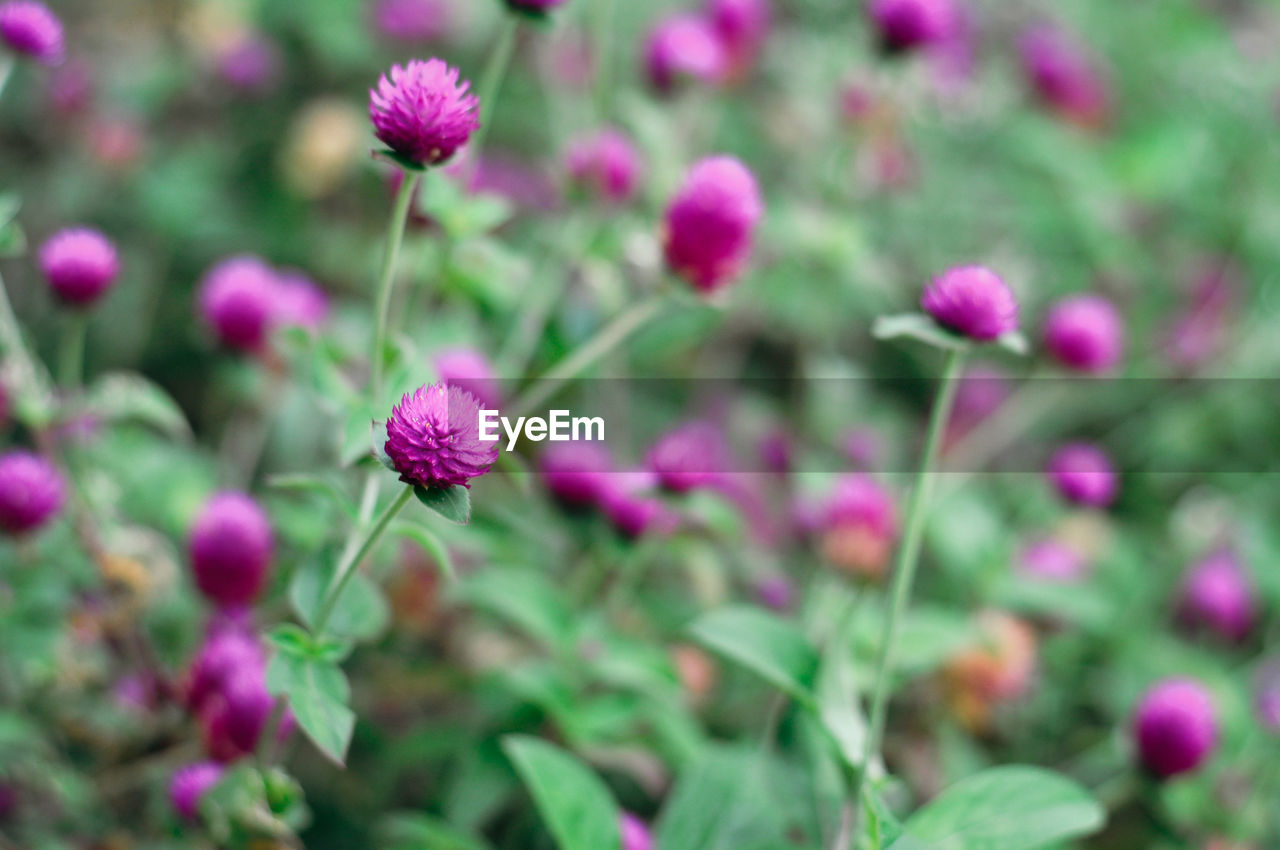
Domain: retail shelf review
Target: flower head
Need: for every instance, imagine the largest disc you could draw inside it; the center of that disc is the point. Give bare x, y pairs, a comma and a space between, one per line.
411, 20
32, 492
1063, 75
29, 28
1176, 727
998, 668
1218, 595
231, 546
249, 64
1052, 560
468, 369
80, 265
576, 473
628, 500
907, 24
299, 302
1085, 333
635, 835
1083, 475
743, 26
189, 785
238, 300
235, 720
683, 48
972, 301
423, 112
859, 524
711, 222
606, 164
223, 652
692, 455
433, 438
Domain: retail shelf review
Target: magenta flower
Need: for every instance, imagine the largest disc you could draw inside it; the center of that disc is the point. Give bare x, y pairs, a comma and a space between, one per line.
690, 456
423, 112
606, 164
299, 302
223, 652
231, 546
1085, 333
972, 301
80, 265
469, 370
30, 29
412, 20
1217, 595
1083, 475
1176, 727
249, 64
743, 26
238, 300
907, 24
684, 48
635, 835
711, 222
860, 500
235, 719
628, 501
576, 473
433, 438
1063, 75
32, 492
189, 785
1052, 560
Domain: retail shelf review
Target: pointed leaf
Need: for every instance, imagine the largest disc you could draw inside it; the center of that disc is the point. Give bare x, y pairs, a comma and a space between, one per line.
920, 327
317, 692
771, 647
452, 503
575, 804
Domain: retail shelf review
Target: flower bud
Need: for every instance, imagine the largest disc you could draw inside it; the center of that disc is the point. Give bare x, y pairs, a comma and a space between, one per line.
743, 26
605, 164
635, 835
711, 222
690, 456
422, 111
904, 25
859, 526
1063, 75
1085, 333
32, 492
972, 301
1176, 727
576, 473
231, 548
189, 785
684, 48
1217, 595
1052, 560
1083, 475
28, 28
238, 301
469, 370
80, 265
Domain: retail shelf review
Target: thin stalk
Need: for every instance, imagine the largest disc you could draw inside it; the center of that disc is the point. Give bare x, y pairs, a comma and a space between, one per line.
495, 71
603, 52
610, 337
386, 280
71, 353
904, 568
347, 568
11, 342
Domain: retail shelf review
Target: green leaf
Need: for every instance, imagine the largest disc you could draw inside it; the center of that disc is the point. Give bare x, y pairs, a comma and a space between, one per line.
1005, 808
361, 612
10, 204
398, 160
838, 706
323, 485
127, 397
723, 802
452, 503
1015, 342
378, 437
525, 599
411, 831
919, 327
317, 692
772, 648
13, 240
574, 802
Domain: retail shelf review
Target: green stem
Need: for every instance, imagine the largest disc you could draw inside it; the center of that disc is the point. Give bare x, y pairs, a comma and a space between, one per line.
6, 70
71, 355
20, 359
491, 83
609, 338
347, 568
904, 568
604, 37
386, 280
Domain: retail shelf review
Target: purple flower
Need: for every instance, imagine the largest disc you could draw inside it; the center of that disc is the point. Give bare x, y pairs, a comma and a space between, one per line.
235, 720
29, 28
249, 64
743, 26
776, 451
690, 456
223, 652
32, 492
576, 473
606, 164
635, 835
682, 48
1218, 595
907, 24
238, 300
1085, 333
1083, 475
1063, 75
231, 547
972, 301
189, 785
80, 265
1176, 727
1200, 330
1052, 560
433, 438
711, 221
627, 500
863, 447
469, 370
423, 112
411, 20
858, 525
299, 302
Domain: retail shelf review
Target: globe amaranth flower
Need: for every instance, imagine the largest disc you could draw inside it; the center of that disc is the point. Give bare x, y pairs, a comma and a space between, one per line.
904, 25
32, 492
80, 265
997, 668
1176, 727
236, 717
743, 26
469, 370
223, 653
231, 545
710, 224
1085, 333
422, 111
576, 473
690, 456
1063, 75
635, 835
433, 438
299, 302
1083, 475
412, 20
238, 301
629, 502
972, 301
683, 48
250, 63
1217, 595
189, 784
30, 29
859, 524
606, 164
1052, 560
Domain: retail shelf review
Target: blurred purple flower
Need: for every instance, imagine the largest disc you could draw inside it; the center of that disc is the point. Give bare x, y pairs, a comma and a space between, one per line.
236, 718
223, 652
711, 222
422, 111
433, 438
30, 29
1218, 595
1201, 329
972, 301
859, 525
606, 164
412, 21
238, 300
80, 265
32, 492
684, 48
635, 835
1176, 727
231, 546
249, 63
906, 24
1063, 75
576, 473
1083, 475
189, 785
628, 501
469, 370
71, 87
1052, 560
743, 27
689, 456
299, 302
1085, 333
